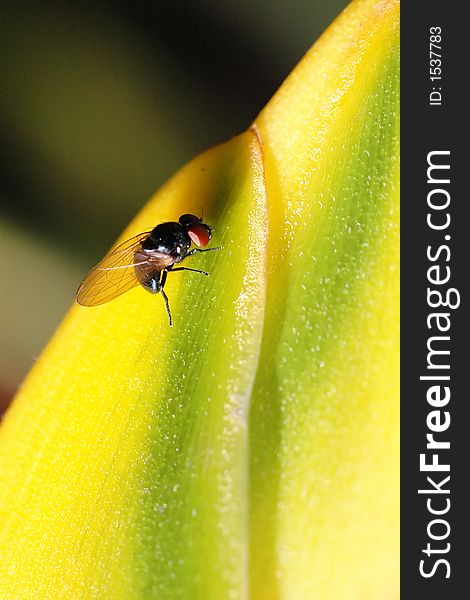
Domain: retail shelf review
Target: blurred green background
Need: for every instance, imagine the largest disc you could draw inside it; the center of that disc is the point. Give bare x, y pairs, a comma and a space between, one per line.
100, 103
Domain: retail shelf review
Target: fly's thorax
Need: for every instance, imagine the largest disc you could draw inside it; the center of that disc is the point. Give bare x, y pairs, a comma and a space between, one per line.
169, 238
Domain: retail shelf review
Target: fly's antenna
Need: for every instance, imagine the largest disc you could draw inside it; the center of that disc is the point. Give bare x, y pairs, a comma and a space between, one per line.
211, 229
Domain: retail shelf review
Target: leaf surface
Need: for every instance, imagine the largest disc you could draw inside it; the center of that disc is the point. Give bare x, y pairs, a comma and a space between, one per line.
251, 451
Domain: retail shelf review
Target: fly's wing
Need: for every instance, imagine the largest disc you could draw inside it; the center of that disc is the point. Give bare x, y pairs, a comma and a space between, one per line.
113, 275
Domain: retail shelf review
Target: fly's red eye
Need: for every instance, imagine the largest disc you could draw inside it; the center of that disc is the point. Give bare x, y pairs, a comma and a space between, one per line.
200, 235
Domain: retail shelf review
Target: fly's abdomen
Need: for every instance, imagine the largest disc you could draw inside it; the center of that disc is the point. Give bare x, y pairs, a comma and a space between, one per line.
147, 274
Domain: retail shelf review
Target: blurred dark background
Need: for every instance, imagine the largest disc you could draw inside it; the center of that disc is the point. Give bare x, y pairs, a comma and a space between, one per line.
100, 103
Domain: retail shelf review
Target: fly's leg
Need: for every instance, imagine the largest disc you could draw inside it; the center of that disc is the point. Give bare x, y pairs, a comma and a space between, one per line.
165, 297
167, 304
188, 269
194, 250
190, 253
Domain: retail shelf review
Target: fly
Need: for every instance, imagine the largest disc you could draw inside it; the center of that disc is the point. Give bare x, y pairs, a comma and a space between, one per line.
146, 259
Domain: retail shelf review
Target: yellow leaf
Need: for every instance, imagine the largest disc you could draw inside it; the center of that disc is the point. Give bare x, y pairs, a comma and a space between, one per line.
252, 449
